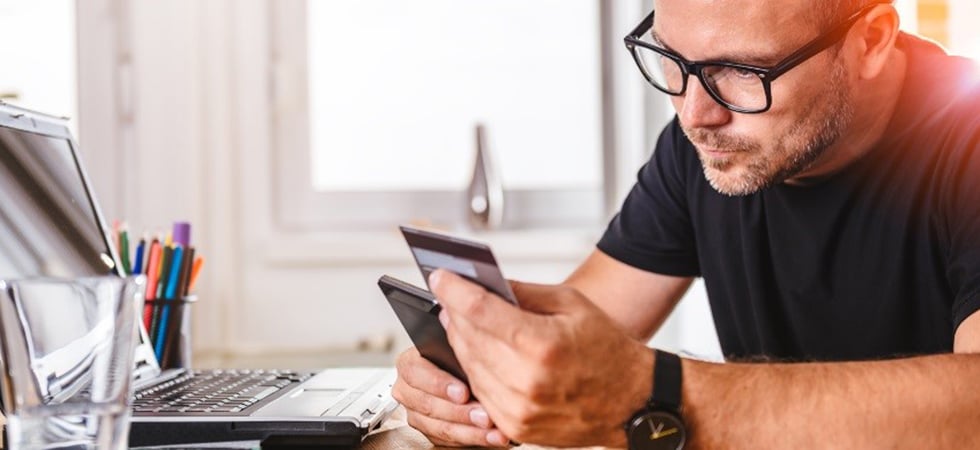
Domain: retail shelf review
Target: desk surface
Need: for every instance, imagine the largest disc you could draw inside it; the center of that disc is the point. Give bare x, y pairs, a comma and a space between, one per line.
395, 434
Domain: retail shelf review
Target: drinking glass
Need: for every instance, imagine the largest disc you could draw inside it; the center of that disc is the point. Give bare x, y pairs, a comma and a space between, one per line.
66, 350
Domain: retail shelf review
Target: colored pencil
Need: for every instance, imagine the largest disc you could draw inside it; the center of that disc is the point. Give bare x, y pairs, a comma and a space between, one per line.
124, 248
185, 272
198, 262
151, 280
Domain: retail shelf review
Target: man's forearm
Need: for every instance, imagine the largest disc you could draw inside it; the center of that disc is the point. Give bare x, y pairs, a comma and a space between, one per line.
922, 402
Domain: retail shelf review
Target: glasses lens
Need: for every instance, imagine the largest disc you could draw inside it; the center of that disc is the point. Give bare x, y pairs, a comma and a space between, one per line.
740, 88
663, 72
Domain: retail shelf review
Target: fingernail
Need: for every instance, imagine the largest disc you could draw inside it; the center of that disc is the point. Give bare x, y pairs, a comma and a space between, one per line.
444, 318
496, 438
479, 417
456, 393
434, 277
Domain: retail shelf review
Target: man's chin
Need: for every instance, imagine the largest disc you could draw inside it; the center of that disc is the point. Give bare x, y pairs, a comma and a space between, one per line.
732, 181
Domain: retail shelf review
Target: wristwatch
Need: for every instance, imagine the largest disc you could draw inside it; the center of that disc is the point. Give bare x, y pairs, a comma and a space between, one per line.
658, 426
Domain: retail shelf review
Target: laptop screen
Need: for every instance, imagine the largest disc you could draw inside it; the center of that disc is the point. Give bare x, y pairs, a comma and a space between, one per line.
48, 224
49, 221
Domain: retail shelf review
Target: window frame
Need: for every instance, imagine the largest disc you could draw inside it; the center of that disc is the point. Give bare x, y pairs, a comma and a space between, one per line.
298, 207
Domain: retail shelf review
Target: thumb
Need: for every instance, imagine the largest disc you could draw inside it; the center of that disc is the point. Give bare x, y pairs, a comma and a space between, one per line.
547, 298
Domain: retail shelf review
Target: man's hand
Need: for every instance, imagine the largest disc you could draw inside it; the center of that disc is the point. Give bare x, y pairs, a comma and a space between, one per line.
557, 371
439, 405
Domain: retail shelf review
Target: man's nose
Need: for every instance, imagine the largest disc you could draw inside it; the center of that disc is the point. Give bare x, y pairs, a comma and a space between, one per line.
697, 109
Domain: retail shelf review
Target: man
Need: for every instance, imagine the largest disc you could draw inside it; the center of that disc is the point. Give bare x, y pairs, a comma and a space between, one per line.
832, 205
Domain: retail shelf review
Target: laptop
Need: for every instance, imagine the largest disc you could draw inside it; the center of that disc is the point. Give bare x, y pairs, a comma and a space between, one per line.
51, 225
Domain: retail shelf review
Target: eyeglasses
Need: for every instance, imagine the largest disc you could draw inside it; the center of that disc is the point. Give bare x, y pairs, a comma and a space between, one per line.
742, 88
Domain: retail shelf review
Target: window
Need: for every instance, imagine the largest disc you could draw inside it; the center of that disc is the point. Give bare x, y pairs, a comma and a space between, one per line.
39, 55
377, 101
948, 22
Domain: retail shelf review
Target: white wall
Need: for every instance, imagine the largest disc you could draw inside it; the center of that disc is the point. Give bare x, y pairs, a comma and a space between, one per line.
183, 131
156, 134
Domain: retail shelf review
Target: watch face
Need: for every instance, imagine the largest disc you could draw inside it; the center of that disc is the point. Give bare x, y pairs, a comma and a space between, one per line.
657, 430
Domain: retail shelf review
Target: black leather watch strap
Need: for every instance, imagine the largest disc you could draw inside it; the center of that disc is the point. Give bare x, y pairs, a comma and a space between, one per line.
666, 382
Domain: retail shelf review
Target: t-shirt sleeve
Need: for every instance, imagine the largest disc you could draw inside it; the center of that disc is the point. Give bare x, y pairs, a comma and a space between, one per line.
653, 230
961, 218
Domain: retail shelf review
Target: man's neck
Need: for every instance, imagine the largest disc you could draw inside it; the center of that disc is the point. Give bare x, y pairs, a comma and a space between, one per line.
874, 105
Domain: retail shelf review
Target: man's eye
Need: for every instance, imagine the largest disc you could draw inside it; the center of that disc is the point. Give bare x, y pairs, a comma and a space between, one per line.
742, 73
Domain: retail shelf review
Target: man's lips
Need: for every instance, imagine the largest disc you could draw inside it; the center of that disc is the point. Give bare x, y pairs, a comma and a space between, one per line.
717, 153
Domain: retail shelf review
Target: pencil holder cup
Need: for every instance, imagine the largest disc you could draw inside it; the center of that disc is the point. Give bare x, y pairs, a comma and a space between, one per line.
168, 324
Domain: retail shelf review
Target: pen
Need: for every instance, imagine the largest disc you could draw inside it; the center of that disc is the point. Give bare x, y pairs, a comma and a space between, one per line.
166, 255
177, 260
182, 233
138, 263
172, 337
174, 270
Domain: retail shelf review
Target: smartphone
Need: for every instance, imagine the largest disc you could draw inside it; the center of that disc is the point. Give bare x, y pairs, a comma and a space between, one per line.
418, 312
469, 259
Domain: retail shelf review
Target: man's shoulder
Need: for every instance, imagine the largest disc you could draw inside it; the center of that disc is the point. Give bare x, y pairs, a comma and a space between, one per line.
942, 93
947, 85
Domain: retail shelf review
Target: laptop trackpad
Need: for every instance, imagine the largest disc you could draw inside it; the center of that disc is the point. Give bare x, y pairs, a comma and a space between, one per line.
302, 403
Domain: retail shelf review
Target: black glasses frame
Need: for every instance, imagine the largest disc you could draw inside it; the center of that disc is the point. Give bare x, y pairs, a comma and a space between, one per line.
766, 74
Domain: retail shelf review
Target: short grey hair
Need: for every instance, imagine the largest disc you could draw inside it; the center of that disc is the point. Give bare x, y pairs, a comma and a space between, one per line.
834, 11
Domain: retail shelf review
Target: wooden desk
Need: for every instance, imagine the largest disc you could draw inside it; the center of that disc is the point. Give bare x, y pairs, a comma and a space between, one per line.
395, 434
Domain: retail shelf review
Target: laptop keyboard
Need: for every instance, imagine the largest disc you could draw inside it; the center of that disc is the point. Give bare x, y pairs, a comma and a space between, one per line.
223, 392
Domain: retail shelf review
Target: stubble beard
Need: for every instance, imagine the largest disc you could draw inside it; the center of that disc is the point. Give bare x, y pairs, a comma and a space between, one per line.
821, 124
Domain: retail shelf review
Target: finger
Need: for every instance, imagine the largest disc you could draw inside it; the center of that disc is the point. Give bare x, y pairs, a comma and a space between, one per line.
492, 365
474, 342
454, 434
463, 298
421, 374
471, 414
500, 396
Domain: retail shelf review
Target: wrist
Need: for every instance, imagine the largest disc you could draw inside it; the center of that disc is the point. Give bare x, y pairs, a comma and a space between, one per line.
658, 424
636, 389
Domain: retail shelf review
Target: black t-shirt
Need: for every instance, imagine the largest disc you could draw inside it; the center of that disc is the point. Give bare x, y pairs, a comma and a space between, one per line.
881, 259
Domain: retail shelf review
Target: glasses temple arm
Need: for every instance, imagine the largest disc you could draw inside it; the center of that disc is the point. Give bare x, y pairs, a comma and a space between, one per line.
818, 45
642, 28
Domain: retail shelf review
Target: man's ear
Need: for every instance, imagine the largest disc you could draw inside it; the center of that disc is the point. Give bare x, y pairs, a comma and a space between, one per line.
875, 36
